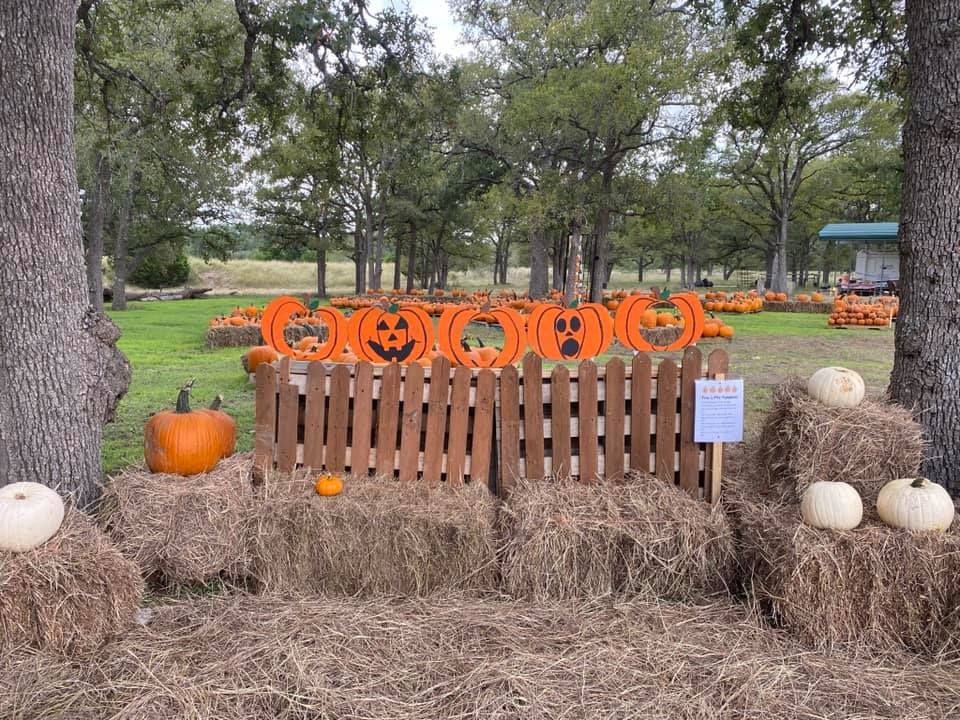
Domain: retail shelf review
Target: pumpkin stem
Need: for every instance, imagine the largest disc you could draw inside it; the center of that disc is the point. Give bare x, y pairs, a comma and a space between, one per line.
216, 402
479, 342
183, 399
918, 482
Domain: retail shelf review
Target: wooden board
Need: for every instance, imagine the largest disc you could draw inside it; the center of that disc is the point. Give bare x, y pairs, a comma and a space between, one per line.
717, 364
640, 412
459, 419
388, 420
482, 450
510, 423
533, 416
614, 420
338, 421
560, 421
265, 421
288, 413
410, 426
666, 419
691, 371
589, 444
362, 419
439, 395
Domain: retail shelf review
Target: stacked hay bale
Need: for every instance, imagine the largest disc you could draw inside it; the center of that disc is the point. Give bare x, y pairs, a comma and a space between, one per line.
875, 584
226, 336
794, 306
642, 537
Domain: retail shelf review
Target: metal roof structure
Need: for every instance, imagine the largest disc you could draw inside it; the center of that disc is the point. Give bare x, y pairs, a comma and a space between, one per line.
860, 232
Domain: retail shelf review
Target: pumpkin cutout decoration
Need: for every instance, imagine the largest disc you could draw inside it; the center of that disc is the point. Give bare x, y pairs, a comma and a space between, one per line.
30, 514
574, 333
328, 485
831, 506
836, 387
391, 334
453, 323
277, 316
184, 441
915, 504
638, 312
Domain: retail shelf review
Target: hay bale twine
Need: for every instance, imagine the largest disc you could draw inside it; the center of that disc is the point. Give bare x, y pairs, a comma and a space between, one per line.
642, 537
875, 585
185, 530
803, 441
71, 594
380, 536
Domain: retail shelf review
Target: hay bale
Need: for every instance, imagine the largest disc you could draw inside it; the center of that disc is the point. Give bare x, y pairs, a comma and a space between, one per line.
185, 530
876, 585
260, 658
803, 441
798, 307
379, 536
71, 594
224, 336
643, 537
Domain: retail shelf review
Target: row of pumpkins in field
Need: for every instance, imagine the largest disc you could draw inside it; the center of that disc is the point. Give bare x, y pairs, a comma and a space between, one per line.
909, 503
852, 310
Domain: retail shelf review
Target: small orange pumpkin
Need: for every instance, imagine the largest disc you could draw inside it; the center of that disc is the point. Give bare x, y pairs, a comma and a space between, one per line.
328, 485
257, 356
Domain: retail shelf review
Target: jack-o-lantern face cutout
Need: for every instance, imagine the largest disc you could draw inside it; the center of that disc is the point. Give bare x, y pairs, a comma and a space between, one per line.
277, 316
385, 335
453, 323
629, 322
557, 333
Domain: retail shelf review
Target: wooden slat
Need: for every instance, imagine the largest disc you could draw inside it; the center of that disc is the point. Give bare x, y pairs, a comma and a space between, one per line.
666, 419
388, 413
717, 364
533, 416
313, 415
509, 430
459, 419
691, 370
412, 417
640, 411
439, 392
338, 419
614, 408
589, 444
284, 366
265, 422
560, 422
288, 414
362, 418
480, 452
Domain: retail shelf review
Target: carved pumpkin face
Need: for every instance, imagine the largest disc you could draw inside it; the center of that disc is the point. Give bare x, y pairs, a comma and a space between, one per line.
277, 316
453, 323
557, 333
386, 335
630, 320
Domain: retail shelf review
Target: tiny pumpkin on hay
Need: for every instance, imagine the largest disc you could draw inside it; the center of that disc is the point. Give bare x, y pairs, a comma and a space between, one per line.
328, 485
30, 514
184, 441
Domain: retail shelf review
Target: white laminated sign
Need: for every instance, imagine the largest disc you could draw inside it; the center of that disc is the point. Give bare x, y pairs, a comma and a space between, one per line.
718, 411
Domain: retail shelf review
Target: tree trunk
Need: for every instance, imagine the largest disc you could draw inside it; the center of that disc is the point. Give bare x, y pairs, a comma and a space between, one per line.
322, 272
538, 263
573, 255
598, 265
397, 256
121, 248
98, 206
359, 255
412, 261
778, 278
926, 367
53, 404
376, 280
559, 260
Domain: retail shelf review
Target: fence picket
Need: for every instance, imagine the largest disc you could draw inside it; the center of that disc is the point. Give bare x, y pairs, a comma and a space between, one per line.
560, 421
533, 447
691, 370
362, 419
339, 417
433, 450
589, 441
614, 409
509, 429
640, 411
666, 420
313, 415
265, 421
482, 449
459, 419
288, 415
410, 427
388, 419
717, 364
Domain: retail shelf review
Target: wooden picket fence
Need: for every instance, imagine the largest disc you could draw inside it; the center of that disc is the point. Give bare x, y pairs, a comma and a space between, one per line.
493, 426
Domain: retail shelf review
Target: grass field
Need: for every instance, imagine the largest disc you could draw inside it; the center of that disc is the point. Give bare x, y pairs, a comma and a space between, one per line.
165, 343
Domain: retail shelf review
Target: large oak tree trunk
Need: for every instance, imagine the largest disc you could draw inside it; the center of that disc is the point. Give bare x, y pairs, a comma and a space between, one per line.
61, 375
538, 263
322, 272
121, 247
98, 209
926, 368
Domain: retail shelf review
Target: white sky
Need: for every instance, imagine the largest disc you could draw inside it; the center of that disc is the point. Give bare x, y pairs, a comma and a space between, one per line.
446, 32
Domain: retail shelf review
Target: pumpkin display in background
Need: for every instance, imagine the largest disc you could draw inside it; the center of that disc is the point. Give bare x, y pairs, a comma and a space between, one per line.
836, 387
30, 514
227, 425
328, 485
390, 334
453, 323
634, 315
915, 504
574, 333
257, 356
183, 441
831, 506
277, 316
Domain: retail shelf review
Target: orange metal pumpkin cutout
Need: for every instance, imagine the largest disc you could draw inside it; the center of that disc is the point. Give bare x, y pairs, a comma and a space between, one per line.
454, 321
277, 316
629, 321
578, 333
384, 335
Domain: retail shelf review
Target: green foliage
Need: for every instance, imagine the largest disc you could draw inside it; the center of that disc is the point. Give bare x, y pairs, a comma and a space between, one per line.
163, 268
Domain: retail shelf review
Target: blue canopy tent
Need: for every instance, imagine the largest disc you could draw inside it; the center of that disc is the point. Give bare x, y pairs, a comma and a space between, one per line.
877, 268
860, 232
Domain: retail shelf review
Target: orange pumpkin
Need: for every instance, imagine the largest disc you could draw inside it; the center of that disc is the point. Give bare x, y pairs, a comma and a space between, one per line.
627, 323
277, 315
257, 356
711, 328
391, 334
726, 331
577, 333
454, 321
183, 442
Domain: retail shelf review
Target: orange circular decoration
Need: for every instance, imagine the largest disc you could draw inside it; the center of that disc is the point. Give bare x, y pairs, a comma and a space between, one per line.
579, 333
277, 316
454, 321
633, 313
384, 335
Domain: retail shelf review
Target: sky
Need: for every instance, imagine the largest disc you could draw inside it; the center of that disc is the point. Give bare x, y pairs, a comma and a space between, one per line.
446, 32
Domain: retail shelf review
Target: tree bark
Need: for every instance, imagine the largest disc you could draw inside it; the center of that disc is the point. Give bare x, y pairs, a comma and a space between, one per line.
778, 279
121, 248
926, 368
98, 206
53, 403
538, 263
359, 255
412, 262
322, 272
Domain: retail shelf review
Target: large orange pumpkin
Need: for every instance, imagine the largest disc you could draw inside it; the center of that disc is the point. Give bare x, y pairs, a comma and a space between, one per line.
184, 442
633, 313
277, 316
391, 334
576, 333
257, 356
454, 321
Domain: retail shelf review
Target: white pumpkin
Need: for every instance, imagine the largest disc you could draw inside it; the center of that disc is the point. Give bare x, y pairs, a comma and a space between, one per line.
915, 504
30, 514
836, 387
832, 506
